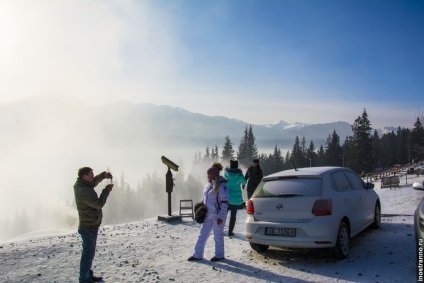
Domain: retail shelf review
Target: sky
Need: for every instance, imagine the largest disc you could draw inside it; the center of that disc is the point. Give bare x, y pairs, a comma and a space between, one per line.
156, 251
256, 61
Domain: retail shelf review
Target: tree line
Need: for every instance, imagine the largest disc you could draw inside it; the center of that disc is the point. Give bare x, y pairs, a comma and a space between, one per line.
363, 152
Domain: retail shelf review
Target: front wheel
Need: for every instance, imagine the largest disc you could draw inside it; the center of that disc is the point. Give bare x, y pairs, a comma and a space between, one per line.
342, 248
259, 247
377, 217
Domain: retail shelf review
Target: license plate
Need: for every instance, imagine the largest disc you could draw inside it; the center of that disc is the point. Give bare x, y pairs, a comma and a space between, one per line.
275, 231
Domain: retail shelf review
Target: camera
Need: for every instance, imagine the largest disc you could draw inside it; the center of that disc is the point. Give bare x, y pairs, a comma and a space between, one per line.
169, 163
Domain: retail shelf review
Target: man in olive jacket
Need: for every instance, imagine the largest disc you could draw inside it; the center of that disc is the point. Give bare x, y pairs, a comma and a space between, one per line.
89, 207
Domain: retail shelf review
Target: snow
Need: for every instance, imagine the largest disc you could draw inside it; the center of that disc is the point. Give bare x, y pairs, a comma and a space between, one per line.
156, 251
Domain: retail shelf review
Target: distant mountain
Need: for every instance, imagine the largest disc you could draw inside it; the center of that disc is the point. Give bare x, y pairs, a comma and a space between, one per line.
126, 124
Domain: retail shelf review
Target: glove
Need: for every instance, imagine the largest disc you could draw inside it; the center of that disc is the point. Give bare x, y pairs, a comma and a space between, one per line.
243, 187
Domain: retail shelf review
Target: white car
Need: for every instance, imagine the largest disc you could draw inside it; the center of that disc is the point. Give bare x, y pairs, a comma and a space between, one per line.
315, 207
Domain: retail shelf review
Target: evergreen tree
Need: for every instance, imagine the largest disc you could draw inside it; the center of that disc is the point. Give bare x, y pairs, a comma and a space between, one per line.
287, 161
207, 157
417, 141
277, 160
304, 160
251, 149
334, 152
376, 148
320, 156
360, 147
296, 154
311, 155
242, 154
227, 151
266, 164
247, 149
402, 151
214, 155
388, 154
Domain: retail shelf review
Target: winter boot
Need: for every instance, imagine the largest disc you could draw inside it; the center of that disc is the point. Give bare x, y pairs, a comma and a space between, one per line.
231, 226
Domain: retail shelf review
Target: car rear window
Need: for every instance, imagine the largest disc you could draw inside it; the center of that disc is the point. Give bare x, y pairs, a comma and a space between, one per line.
289, 187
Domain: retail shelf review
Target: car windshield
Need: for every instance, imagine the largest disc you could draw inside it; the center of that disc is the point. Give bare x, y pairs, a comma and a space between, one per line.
289, 187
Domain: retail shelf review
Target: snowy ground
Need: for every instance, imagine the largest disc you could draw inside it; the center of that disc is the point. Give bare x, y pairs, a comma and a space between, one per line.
155, 251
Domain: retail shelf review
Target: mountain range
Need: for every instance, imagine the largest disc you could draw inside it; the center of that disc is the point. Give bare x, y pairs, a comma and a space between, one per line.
126, 124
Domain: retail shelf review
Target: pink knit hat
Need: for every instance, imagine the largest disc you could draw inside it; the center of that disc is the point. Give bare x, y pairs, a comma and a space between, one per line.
214, 171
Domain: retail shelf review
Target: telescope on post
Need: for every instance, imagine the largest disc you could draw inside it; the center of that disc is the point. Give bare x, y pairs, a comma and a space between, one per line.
169, 163
169, 187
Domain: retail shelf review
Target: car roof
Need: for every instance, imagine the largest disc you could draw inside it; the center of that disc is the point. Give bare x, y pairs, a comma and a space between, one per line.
304, 172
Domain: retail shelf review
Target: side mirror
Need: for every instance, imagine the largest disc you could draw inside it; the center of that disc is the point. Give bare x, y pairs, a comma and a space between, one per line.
370, 186
418, 186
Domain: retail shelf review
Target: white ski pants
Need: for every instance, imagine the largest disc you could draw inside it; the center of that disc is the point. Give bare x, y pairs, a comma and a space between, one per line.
218, 236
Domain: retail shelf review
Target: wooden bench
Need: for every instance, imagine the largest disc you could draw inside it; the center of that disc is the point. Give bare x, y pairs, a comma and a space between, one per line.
389, 182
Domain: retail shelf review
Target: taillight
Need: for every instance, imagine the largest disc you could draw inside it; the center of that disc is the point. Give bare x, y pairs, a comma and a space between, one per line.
322, 207
250, 208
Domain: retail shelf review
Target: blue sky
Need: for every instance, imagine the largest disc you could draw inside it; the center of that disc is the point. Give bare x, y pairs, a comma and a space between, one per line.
256, 61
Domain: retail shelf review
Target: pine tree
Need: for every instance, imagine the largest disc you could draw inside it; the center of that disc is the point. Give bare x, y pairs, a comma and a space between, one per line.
304, 160
360, 147
287, 161
242, 155
207, 157
277, 160
417, 141
334, 152
320, 156
311, 155
296, 154
402, 141
252, 150
247, 150
227, 151
376, 148
388, 145
214, 155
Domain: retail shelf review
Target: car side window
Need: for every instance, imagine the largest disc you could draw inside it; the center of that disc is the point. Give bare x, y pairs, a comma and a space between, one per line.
355, 181
339, 182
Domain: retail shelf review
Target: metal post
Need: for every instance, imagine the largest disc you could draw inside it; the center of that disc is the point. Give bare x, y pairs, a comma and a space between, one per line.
169, 187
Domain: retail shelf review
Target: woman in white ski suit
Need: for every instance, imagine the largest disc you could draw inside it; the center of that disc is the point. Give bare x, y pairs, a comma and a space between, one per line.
215, 196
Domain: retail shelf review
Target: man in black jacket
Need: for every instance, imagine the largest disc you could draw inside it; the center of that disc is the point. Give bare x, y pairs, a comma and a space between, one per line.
253, 176
89, 207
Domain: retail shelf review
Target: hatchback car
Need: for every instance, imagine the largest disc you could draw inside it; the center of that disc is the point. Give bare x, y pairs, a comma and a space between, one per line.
419, 220
315, 207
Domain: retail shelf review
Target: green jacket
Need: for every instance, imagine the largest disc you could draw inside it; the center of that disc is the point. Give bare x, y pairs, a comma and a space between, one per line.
89, 205
235, 179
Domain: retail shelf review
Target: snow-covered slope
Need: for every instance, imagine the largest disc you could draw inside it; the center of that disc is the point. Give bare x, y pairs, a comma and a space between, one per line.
155, 251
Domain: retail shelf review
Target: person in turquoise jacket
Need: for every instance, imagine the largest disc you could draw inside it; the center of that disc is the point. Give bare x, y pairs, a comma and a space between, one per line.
236, 179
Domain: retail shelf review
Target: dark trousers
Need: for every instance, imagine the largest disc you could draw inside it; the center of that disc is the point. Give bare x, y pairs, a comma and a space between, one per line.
89, 240
233, 210
249, 194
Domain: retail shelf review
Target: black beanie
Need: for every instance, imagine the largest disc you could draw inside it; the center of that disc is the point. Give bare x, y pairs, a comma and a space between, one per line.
256, 160
233, 164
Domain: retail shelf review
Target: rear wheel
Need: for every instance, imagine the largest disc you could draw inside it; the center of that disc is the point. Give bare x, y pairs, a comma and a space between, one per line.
342, 248
377, 217
259, 247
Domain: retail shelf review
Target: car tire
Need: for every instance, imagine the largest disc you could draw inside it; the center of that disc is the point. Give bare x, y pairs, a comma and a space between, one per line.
342, 248
259, 247
377, 217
